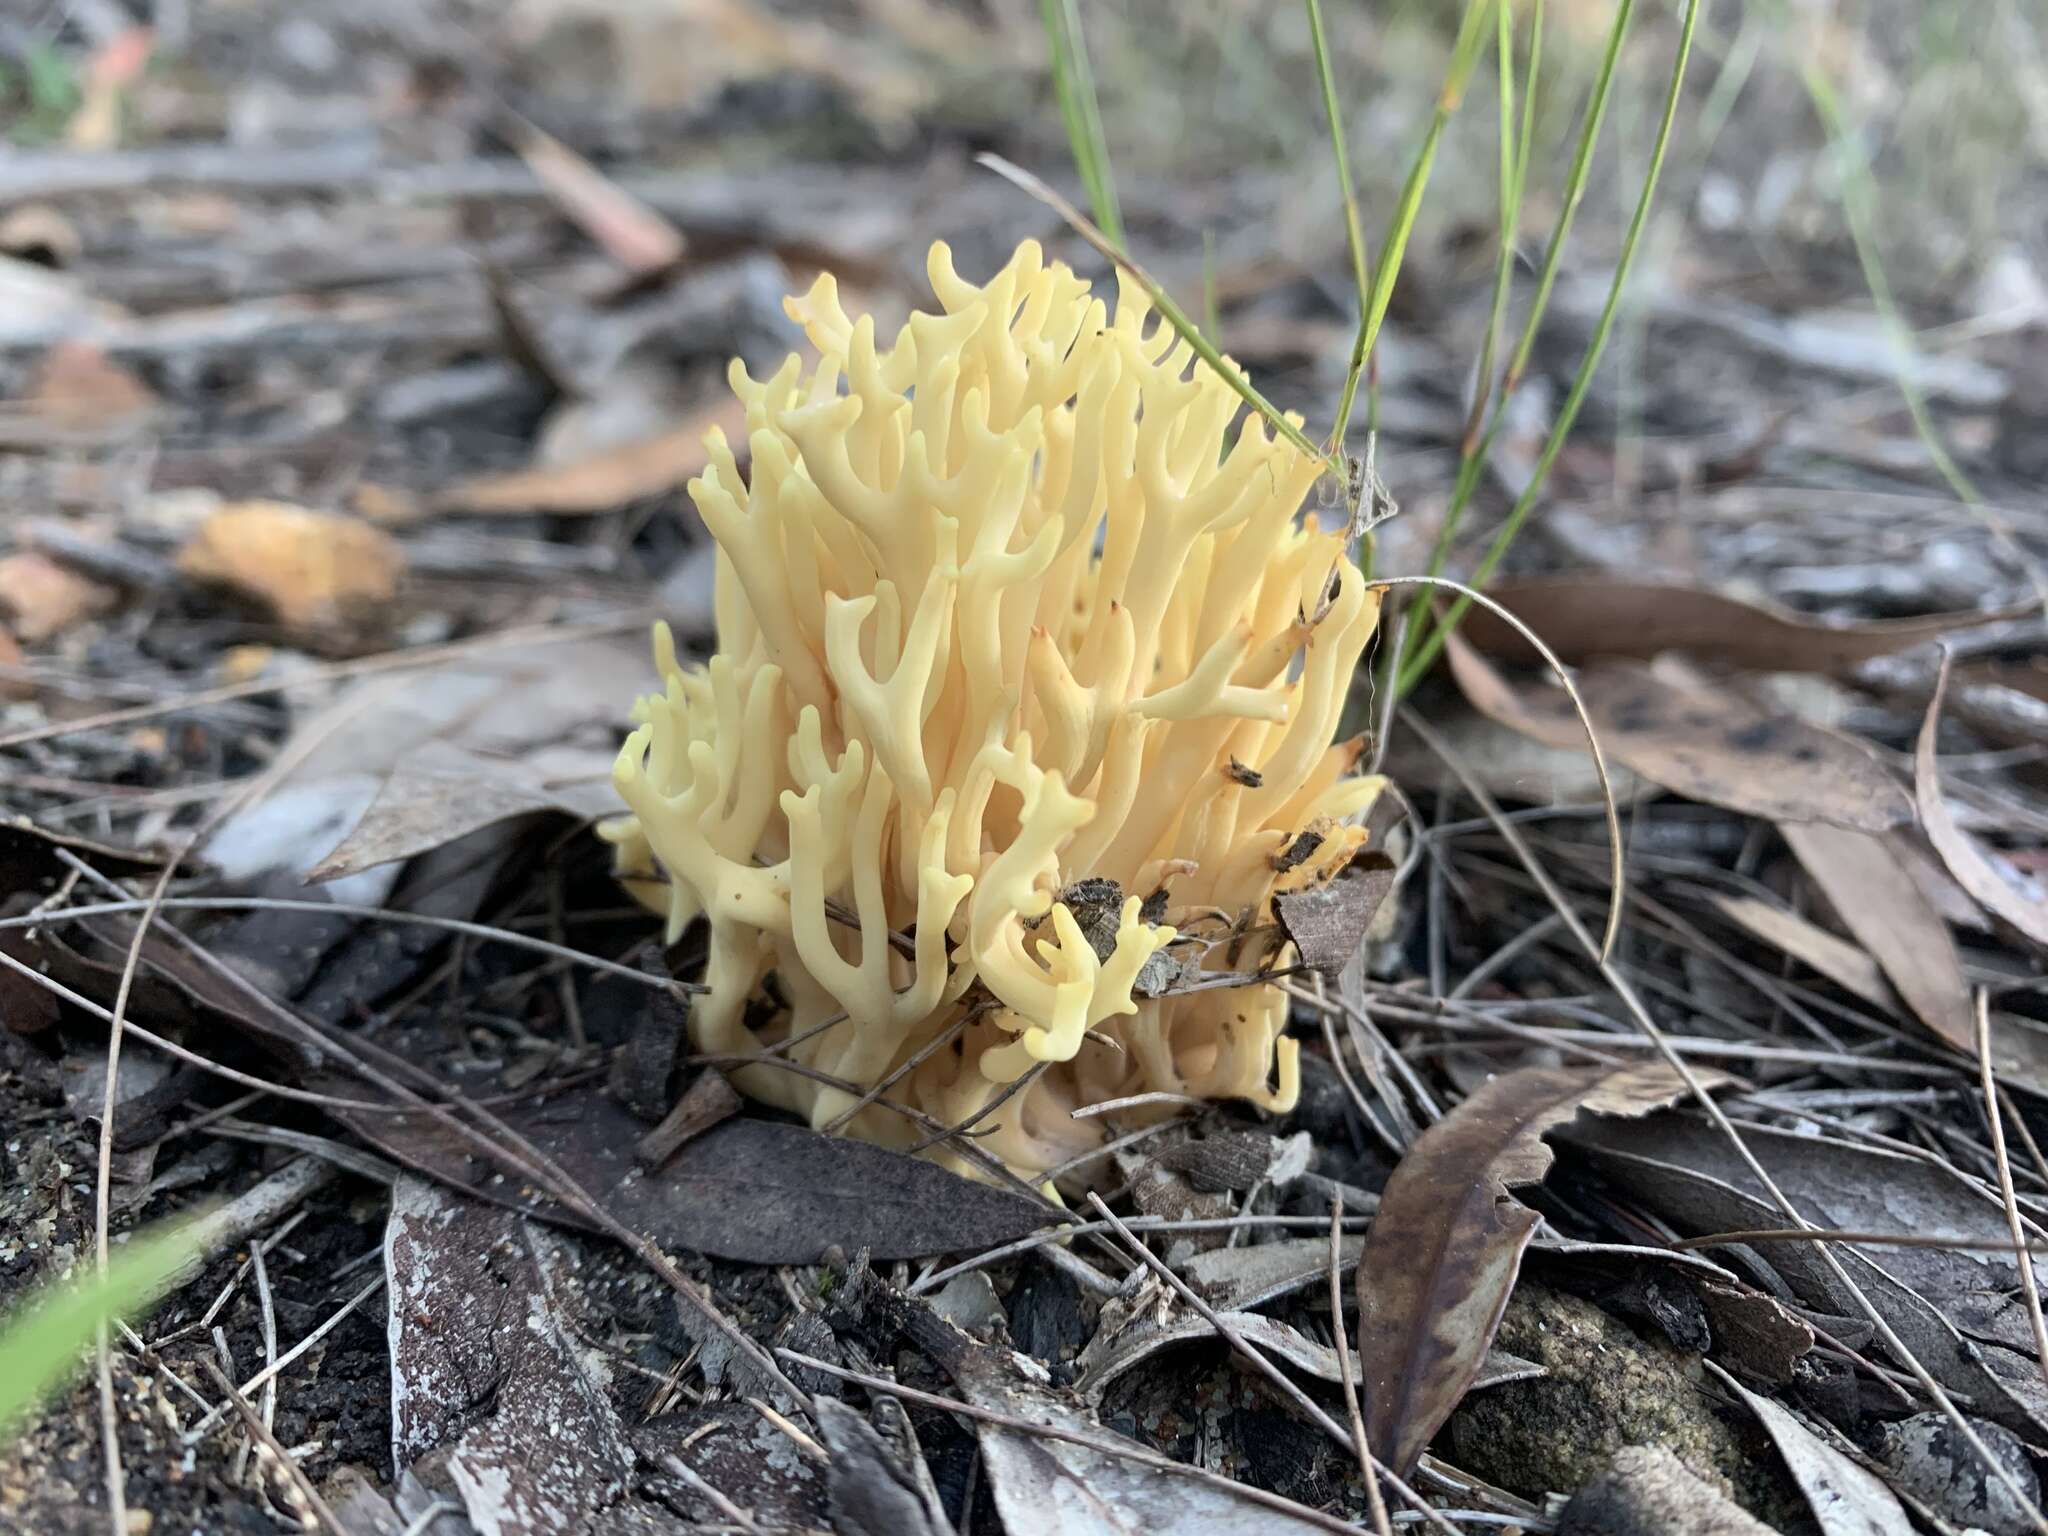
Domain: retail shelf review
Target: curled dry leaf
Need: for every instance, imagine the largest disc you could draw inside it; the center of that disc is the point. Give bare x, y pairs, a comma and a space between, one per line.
1447, 1243
313, 570
1965, 860
1892, 918
1701, 742
1592, 615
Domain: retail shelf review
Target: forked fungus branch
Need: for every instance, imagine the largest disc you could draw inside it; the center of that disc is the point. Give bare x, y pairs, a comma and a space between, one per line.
1002, 608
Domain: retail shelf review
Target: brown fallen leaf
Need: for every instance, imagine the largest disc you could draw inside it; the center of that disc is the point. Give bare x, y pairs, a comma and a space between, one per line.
1701, 742
1965, 860
1884, 907
42, 598
1841, 962
630, 232
1445, 1247
78, 387
605, 480
1328, 922
313, 570
1593, 615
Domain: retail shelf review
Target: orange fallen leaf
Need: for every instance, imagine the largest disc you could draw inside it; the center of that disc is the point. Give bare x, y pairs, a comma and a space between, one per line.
603, 481
311, 569
44, 598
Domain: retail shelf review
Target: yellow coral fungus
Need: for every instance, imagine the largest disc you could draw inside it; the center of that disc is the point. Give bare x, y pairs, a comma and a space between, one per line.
1011, 637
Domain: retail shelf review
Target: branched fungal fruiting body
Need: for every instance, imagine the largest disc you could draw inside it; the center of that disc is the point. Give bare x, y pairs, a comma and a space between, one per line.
1000, 612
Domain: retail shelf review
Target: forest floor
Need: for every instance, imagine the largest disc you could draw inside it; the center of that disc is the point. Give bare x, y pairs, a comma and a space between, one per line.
353, 358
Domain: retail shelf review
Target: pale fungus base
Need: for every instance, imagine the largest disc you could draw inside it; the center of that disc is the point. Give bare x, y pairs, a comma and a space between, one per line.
1001, 608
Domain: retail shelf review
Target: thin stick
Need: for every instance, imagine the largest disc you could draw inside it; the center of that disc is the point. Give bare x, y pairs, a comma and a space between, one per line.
283, 1362
346, 909
110, 1421
287, 1468
1616, 872
1374, 1500
1956, 1243
2029, 1287
1061, 1234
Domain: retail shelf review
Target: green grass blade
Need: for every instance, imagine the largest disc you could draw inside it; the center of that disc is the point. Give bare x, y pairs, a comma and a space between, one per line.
1411, 670
1859, 200
1354, 229
1473, 454
1575, 186
40, 1341
1073, 82
1472, 39
1514, 177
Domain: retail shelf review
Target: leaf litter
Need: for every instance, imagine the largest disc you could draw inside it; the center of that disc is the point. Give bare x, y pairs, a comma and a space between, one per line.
356, 477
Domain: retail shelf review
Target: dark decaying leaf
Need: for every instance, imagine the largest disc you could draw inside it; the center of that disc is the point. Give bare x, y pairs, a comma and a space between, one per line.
30, 857
873, 1490
1447, 1242
1879, 902
1675, 1169
487, 1376
760, 1191
1757, 1332
1965, 860
1590, 615
1327, 923
1702, 742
